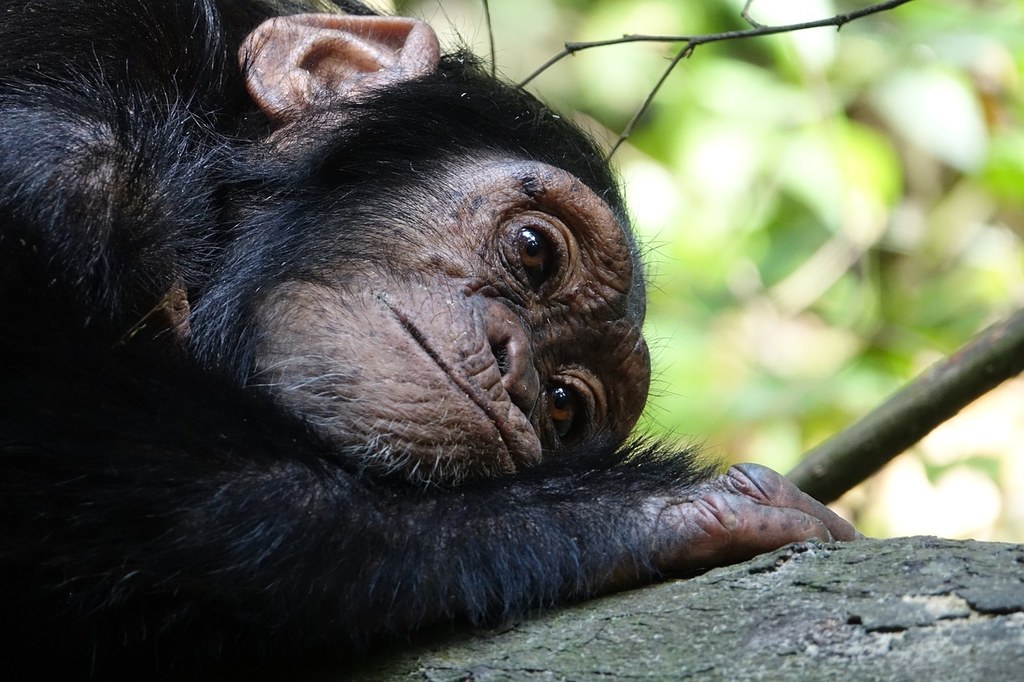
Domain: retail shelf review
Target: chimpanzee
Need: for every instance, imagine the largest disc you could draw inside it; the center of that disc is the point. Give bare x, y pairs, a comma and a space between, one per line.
313, 336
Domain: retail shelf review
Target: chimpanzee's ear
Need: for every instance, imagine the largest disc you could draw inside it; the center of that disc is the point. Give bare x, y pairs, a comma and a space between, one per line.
292, 62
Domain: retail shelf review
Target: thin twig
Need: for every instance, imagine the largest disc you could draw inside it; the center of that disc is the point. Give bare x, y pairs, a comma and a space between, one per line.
852, 455
628, 130
490, 37
745, 13
838, 21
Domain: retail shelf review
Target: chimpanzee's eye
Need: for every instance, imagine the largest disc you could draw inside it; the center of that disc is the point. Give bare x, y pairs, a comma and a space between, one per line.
565, 407
536, 255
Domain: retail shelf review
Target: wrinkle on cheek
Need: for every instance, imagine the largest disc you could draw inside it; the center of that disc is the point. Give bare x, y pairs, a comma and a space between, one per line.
405, 380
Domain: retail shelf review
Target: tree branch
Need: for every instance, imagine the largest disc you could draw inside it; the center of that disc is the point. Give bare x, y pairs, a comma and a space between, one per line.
690, 44
490, 37
628, 130
852, 455
745, 13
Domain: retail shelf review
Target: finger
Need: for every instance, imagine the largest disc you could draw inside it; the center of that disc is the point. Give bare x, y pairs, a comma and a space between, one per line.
778, 491
721, 527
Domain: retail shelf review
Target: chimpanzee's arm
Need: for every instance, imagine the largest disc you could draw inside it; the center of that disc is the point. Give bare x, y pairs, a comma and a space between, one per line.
178, 519
108, 118
118, 203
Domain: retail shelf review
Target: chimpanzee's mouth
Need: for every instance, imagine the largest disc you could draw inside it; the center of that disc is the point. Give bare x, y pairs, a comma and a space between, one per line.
518, 451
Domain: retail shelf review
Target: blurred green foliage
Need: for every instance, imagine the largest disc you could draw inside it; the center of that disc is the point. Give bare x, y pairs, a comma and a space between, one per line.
825, 214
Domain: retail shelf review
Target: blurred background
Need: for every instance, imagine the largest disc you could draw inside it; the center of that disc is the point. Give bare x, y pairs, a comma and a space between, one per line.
825, 214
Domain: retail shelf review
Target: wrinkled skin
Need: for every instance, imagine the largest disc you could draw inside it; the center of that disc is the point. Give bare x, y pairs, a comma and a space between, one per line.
748, 510
481, 342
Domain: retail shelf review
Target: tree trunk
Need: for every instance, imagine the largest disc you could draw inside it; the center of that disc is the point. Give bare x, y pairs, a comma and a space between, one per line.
901, 609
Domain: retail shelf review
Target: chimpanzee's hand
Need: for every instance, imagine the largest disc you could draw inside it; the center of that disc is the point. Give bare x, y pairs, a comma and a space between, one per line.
746, 511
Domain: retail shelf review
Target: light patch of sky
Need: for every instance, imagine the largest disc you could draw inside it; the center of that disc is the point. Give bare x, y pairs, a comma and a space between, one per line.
652, 196
815, 47
936, 111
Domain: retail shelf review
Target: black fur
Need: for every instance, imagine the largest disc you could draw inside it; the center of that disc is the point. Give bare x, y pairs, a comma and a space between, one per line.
154, 515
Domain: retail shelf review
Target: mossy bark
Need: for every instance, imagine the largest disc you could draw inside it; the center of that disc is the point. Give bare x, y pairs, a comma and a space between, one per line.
900, 609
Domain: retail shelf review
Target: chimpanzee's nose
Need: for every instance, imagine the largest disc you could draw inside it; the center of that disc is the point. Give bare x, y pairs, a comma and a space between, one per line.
510, 345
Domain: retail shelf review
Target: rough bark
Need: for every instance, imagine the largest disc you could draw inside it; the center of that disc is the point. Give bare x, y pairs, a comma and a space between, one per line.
900, 609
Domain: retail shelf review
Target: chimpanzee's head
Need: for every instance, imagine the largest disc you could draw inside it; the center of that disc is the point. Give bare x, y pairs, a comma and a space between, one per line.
447, 285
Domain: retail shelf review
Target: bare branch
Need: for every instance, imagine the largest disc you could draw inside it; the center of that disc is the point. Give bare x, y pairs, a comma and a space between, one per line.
745, 13
692, 42
628, 130
490, 37
852, 455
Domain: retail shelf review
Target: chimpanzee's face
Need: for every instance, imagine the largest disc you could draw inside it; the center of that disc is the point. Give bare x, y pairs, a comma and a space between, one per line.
496, 325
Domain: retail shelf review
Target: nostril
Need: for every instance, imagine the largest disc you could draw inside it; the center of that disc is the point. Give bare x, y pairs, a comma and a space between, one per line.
510, 345
500, 352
